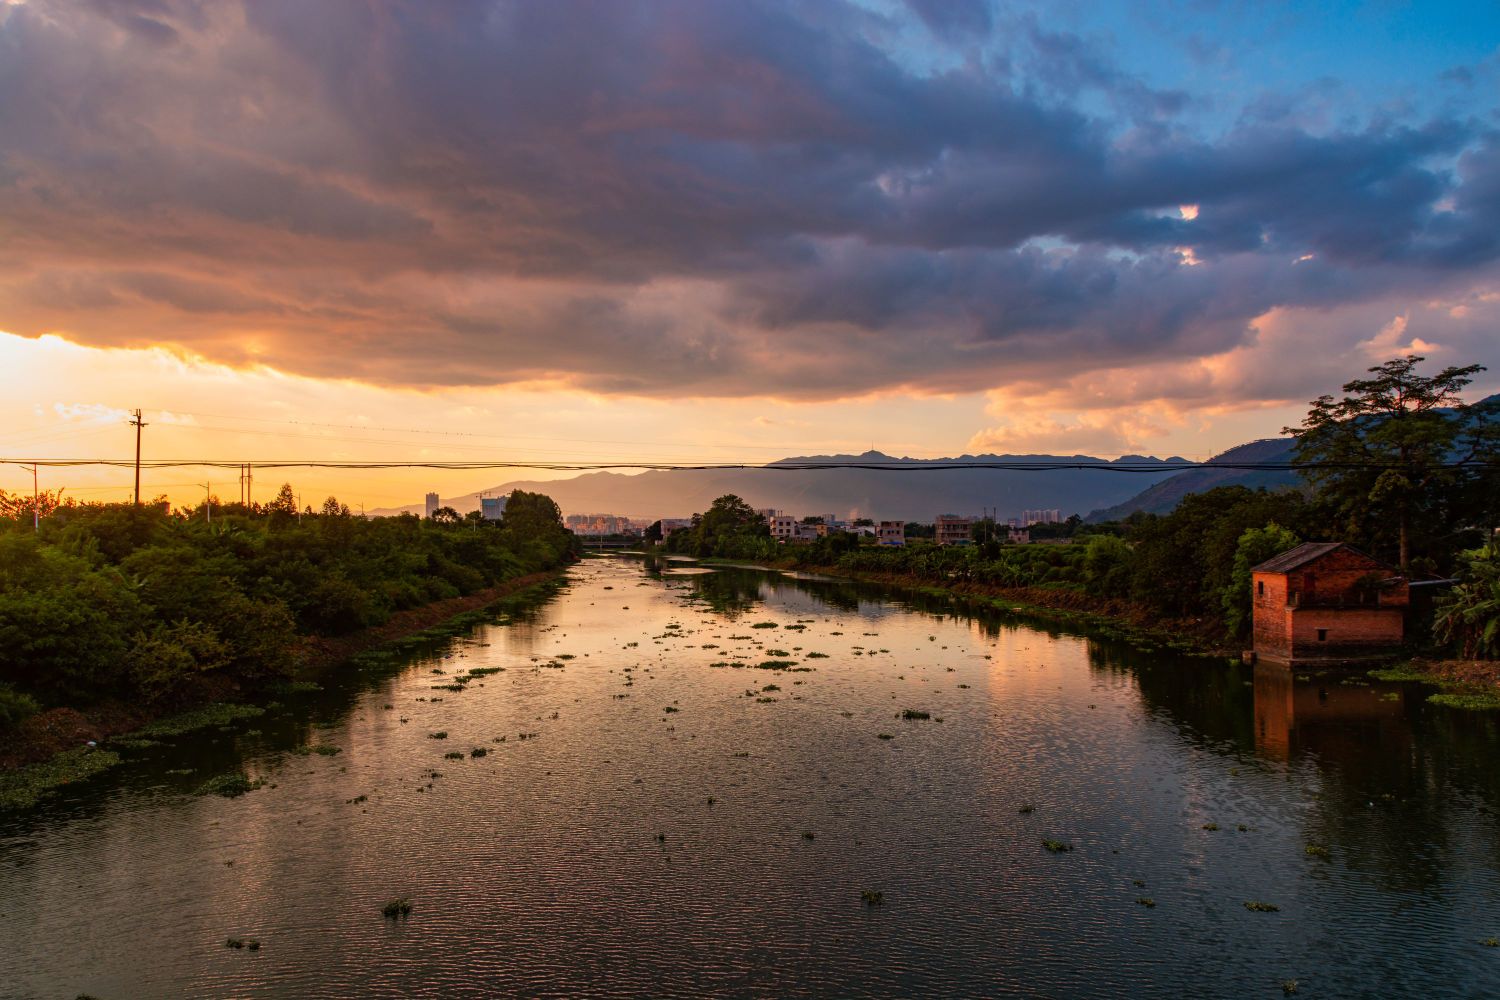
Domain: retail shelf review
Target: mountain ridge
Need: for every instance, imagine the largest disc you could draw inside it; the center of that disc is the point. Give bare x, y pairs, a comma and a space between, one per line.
879, 493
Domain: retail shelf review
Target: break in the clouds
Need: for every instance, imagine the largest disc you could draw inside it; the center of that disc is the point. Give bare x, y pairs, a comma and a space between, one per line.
727, 198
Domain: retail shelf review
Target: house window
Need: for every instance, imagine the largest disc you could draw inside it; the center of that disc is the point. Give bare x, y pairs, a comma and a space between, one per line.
1260, 588
1322, 635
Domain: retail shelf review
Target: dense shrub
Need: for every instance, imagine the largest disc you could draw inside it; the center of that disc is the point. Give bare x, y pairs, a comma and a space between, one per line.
117, 601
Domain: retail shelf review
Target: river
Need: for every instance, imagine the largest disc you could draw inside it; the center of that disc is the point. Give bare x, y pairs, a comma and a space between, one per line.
653, 814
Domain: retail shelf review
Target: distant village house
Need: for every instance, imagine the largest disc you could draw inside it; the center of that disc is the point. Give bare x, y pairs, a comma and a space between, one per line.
1327, 602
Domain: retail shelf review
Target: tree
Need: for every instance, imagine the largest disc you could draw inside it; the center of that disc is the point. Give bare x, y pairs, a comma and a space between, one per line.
1255, 546
285, 502
446, 515
332, 508
532, 513
720, 529
1107, 565
1383, 452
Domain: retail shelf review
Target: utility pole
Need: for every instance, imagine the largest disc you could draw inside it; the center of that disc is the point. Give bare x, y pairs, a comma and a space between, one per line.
208, 503
137, 424
36, 503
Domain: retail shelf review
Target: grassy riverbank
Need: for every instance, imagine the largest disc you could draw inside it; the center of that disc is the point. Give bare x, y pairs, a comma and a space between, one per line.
1112, 618
1468, 684
50, 750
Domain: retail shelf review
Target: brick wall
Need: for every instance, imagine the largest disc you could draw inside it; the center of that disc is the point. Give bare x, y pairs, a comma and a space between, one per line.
1272, 626
1348, 631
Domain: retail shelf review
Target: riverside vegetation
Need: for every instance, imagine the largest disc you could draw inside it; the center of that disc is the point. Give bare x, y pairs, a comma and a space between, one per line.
1380, 471
139, 612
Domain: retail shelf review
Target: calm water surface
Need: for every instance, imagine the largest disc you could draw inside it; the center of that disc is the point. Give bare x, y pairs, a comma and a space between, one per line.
653, 820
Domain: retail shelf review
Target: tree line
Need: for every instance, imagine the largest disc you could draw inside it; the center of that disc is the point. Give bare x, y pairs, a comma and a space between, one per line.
159, 609
1399, 466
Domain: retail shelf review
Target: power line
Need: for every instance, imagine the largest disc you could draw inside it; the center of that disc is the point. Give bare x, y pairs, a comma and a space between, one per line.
919, 466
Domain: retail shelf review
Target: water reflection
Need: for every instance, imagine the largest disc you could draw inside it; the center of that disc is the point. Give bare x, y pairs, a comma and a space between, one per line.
650, 837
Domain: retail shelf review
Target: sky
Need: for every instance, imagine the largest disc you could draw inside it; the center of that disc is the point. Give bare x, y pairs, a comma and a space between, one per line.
719, 230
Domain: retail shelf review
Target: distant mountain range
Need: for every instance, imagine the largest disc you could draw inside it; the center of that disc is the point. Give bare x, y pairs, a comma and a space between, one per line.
1163, 497
1104, 493
904, 495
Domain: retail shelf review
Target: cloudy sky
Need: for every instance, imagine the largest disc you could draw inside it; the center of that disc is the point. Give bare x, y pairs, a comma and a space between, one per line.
726, 230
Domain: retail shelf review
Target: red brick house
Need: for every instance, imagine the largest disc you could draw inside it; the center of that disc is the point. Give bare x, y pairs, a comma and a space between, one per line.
1327, 602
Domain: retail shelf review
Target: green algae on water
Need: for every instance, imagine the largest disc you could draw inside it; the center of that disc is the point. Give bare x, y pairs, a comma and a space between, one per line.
22, 789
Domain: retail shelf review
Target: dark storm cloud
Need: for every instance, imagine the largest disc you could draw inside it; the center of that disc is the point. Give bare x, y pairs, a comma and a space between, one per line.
678, 197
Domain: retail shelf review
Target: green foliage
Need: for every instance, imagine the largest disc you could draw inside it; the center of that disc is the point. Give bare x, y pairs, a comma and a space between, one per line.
1255, 546
124, 602
15, 708
728, 529
1107, 564
230, 786
1379, 456
1469, 617
22, 789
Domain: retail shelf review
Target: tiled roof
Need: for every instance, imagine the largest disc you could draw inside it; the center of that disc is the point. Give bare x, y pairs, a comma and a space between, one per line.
1292, 558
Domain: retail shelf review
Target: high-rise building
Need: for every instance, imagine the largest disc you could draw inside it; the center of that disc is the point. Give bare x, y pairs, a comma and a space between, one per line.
433, 503
1030, 517
493, 508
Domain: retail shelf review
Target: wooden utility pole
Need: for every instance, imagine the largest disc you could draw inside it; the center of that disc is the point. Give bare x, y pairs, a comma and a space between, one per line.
135, 422
36, 503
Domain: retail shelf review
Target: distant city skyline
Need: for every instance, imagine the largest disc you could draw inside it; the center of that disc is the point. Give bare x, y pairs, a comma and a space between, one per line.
710, 231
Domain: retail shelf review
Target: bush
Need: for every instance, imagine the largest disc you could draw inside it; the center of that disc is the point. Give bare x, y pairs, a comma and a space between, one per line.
15, 708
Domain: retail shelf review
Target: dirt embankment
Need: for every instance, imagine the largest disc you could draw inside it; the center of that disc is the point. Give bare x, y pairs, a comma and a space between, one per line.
1469, 673
59, 729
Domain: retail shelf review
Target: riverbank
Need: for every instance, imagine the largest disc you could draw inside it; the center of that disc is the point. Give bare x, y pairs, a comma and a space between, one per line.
1472, 684
1110, 617
51, 748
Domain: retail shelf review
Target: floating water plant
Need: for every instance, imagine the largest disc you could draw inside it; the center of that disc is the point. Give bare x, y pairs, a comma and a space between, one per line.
454, 755
1146, 901
884, 736
807, 835
671, 708
1289, 986
872, 897
1210, 826
234, 943
396, 908
209, 716
326, 750
1026, 809
1057, 846
763, 625
441, 734
478, 752
1259, 906
775, 664
230, 785
1316, 851
912, 713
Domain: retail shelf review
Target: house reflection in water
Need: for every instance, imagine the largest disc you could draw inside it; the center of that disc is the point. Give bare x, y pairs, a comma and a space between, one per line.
1338, 722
